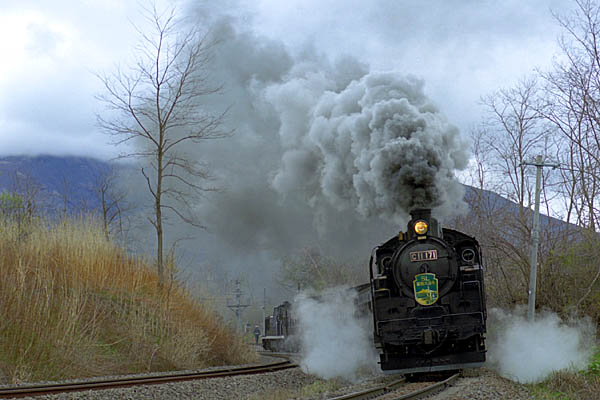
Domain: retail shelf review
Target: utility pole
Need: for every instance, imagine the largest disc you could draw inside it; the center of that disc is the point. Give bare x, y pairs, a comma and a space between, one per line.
237, 307
539, 164
264, 310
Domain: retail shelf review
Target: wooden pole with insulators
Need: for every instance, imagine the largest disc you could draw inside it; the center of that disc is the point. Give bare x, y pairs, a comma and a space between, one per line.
535, 236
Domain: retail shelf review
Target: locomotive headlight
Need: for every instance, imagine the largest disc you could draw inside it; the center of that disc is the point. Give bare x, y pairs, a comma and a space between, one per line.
421, 227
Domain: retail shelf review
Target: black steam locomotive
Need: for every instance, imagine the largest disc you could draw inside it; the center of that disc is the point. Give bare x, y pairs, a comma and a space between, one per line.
428, 299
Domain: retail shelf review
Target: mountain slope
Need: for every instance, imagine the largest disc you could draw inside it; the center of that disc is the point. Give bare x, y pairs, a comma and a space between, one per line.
55, 181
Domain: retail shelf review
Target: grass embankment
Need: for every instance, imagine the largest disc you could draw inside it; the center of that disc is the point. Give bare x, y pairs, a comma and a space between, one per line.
565, 385
73, 304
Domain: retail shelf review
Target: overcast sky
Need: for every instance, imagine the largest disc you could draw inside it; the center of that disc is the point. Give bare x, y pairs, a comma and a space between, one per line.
463, 49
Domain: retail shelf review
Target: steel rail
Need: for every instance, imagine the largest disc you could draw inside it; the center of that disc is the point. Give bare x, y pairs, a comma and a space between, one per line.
386, 389
372, 393
42, 389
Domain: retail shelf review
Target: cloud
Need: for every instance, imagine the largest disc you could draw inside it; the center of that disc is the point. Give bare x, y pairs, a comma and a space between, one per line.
47, 86
462, 49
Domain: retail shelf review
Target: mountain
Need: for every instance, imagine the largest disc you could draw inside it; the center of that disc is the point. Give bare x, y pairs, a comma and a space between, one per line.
491, 203
54, 182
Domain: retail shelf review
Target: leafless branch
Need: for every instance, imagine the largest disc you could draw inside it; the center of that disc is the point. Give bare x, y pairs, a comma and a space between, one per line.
158, 102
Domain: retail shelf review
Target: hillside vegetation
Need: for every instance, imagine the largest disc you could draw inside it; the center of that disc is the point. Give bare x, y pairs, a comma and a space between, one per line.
73, 304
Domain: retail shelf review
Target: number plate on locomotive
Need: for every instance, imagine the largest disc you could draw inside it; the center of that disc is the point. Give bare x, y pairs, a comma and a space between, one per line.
426, 255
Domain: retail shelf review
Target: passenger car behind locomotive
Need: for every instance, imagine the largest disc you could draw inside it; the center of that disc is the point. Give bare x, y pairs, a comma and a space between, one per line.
428, 299
280, 329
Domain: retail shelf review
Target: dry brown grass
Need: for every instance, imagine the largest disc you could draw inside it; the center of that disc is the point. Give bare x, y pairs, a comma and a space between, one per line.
567, 386
73, 304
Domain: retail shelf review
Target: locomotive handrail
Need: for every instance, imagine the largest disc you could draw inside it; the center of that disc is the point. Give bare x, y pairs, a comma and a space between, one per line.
374, 309
371, 262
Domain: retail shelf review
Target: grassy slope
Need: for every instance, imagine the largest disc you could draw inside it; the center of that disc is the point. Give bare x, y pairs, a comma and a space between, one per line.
571, 385
73, 304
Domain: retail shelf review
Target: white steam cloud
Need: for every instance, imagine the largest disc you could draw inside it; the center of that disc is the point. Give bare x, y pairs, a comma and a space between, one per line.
528, 352
335, 340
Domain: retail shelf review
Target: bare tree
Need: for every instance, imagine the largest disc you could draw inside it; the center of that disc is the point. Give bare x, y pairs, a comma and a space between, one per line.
572, 94
572, 105
557, 116
512, 133
65, 194
309, 269
30, 190
112, 202
157, 108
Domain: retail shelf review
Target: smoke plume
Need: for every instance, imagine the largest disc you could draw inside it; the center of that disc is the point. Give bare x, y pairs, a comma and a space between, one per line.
335, 341
376, 145
322, 145
326, 154
528, 352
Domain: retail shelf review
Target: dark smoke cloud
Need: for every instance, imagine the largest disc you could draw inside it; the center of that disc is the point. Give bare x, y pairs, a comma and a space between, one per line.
325, 154
377, 145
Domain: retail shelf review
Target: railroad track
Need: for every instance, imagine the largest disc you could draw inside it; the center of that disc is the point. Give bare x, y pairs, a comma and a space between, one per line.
38, 390
391, 387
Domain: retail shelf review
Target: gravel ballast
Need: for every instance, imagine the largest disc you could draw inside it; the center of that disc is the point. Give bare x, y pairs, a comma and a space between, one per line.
487, 386
289, 384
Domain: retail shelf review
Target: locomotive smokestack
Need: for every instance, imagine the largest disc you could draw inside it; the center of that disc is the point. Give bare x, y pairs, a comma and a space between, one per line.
420, 213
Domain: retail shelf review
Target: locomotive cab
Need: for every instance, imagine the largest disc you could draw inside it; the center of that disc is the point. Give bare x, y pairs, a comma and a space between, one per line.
428, 299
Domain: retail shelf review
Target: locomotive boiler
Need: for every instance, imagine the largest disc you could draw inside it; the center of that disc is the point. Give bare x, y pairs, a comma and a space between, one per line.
428, 299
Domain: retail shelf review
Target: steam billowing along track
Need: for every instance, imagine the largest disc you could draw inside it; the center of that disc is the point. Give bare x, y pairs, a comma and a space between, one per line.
38, 390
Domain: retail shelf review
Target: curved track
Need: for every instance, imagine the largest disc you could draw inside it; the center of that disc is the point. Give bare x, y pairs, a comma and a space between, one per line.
38, 390
390, 388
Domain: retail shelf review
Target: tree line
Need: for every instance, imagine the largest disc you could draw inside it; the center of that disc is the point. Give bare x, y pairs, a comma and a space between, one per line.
554, 113
26, 200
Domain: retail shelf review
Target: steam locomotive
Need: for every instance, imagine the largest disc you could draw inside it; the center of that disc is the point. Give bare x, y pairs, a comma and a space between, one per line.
428, 299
